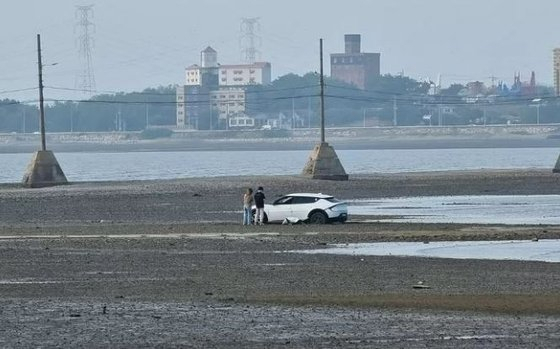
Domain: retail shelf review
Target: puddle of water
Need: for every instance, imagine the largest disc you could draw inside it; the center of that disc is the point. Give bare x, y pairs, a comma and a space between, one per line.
507, 209
524, 250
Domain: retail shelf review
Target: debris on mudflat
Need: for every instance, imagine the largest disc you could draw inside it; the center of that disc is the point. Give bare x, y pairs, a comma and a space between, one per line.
420, 285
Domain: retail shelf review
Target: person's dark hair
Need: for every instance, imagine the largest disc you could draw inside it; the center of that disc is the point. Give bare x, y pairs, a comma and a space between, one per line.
260, 188
250, 190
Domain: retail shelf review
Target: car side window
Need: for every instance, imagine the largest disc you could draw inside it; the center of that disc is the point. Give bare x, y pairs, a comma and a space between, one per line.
283, 200
303, 200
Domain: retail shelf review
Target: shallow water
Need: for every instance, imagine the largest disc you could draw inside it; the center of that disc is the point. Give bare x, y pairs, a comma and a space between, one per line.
523, 250
486, 209
184, 164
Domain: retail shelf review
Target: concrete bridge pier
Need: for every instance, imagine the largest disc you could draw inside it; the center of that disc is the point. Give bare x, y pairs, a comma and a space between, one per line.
323, 163
556, 168
43, 171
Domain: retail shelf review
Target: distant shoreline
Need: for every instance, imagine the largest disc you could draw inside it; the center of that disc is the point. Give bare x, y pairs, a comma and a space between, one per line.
286, 144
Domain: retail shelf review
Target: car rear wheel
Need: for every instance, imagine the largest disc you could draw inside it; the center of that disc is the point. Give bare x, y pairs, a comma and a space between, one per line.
318, 218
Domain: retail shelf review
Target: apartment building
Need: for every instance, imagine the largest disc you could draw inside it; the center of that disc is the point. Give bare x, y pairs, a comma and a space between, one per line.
214, 94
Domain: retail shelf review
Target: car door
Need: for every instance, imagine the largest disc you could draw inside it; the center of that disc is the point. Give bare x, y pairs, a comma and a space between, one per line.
280, 209
301, 206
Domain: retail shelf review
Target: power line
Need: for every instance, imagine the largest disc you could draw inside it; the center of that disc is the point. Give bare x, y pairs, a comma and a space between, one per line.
18, 90
268, 90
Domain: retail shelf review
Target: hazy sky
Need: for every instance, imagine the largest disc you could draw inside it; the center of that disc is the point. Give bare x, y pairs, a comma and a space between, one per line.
141, 44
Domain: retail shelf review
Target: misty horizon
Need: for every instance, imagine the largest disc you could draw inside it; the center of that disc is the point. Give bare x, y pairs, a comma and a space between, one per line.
137, 46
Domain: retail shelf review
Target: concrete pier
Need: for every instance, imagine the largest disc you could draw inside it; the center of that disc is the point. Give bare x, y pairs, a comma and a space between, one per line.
323, 163
43, 171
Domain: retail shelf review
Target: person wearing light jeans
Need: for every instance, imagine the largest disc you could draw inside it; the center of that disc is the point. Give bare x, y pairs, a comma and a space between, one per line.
259, 203
247, 203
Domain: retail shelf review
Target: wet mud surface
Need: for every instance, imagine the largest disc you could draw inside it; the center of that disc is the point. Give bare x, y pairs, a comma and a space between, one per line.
168, 264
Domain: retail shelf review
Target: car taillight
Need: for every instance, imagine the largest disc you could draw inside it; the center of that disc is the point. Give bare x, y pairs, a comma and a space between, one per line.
338, 207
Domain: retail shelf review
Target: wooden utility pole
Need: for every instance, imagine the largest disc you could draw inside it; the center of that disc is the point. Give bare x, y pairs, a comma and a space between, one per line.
323, 162
41, 99
322, 82
44, 170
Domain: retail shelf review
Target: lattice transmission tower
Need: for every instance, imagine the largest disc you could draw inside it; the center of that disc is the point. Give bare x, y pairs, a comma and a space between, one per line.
85, 79
249, 40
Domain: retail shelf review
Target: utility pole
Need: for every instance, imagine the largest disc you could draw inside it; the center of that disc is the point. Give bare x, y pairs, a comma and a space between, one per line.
44, 170
323, 162
293, 114
322, 83
71, 118
147, 116
24, 116
394, 111
210, 105
308, 112
41, 99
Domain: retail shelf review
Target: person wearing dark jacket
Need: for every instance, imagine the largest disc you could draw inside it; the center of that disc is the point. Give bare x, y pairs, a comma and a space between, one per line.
259, 203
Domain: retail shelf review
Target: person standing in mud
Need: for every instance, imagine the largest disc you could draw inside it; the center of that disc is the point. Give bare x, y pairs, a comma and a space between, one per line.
259, 203
247, 204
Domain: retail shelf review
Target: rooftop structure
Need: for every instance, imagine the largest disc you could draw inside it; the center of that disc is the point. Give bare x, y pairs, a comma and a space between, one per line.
353, 66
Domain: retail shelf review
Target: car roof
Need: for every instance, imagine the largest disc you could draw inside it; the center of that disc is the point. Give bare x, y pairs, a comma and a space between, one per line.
312, 195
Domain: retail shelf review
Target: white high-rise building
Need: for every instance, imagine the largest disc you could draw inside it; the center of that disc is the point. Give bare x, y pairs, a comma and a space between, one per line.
258, 73
212, 90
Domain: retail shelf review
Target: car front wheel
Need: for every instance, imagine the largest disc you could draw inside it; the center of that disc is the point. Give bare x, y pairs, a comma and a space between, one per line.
318, 218
254, 217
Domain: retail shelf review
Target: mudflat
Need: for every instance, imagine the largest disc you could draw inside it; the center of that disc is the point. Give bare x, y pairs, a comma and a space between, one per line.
168, 264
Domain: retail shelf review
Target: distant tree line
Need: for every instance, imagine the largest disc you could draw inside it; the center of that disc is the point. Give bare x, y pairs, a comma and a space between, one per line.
385, 100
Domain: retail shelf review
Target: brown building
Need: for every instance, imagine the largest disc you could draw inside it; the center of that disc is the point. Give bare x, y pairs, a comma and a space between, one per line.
353, 66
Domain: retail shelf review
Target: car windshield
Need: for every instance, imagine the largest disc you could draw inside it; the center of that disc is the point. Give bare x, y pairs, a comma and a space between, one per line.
332, 200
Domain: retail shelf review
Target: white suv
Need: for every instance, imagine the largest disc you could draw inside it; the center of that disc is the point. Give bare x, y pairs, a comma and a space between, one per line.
306, 207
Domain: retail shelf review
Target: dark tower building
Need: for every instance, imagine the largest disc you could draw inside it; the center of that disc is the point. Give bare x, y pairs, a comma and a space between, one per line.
353, 66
